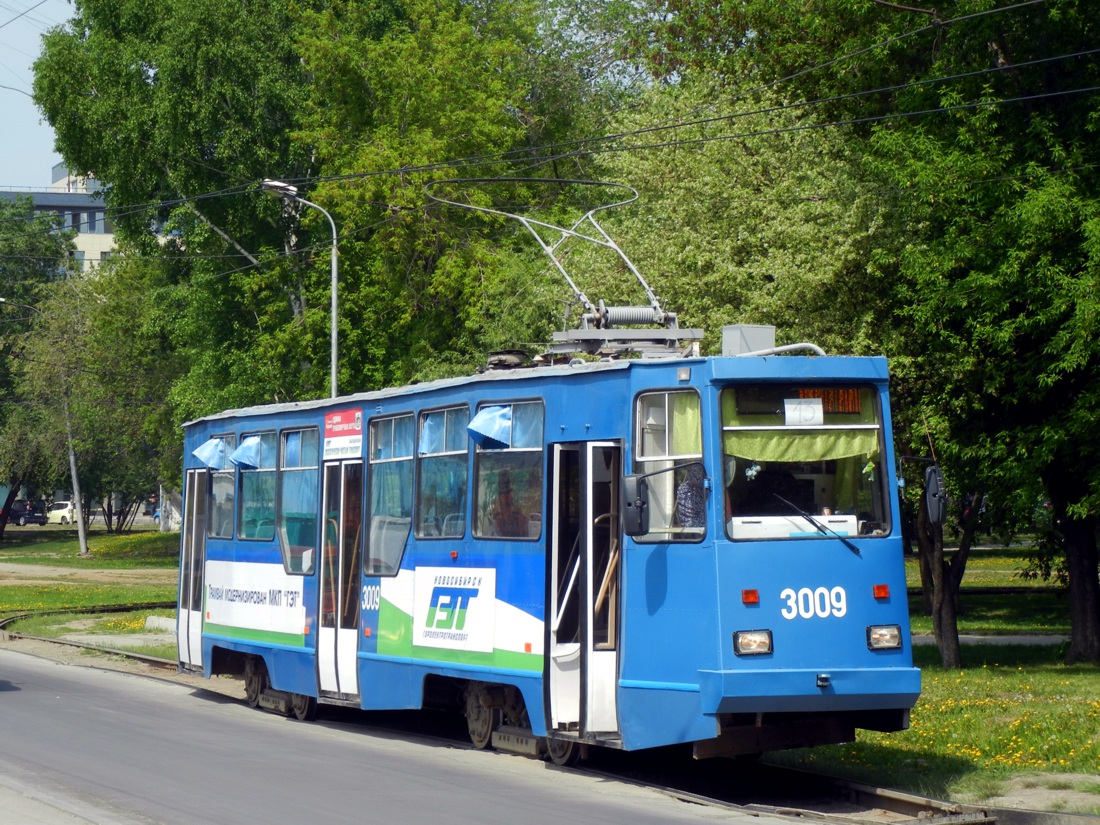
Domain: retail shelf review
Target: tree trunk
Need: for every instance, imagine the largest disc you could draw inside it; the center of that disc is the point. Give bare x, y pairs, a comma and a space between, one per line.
1084, 590
944, 593
1079, 539
13, 491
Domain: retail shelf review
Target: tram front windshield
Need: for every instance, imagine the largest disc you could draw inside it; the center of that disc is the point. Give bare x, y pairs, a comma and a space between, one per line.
802, 462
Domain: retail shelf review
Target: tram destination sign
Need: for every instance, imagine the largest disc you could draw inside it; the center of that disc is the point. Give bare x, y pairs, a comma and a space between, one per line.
343, 434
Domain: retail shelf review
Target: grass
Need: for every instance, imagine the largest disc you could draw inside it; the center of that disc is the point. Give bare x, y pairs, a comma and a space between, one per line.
1012, 711
59, 547
1000, 612
57, 625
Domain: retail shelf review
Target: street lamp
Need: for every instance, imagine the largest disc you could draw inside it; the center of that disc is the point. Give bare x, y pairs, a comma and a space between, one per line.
288, 192
78, 508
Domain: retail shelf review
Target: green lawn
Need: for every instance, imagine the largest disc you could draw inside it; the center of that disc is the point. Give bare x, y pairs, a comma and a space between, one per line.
1011, 711
55, 547
59, 547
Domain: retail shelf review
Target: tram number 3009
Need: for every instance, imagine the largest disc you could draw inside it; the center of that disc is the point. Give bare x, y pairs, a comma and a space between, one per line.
806, 603
372, 597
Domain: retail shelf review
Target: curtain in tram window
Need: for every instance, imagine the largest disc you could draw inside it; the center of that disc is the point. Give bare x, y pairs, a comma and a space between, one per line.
391, 489
800, 445
846, 486
687, 429
432, 434
253, 454
292, 450
491, 428
527, 426
212, 453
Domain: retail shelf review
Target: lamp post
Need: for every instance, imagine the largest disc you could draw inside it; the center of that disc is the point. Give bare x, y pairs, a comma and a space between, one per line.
78, 509
288, 192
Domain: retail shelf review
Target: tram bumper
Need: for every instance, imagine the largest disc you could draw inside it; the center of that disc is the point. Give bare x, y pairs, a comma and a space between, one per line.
813, 690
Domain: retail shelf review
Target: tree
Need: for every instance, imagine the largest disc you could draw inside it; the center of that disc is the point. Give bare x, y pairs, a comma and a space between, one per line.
179, 109
34, 252
993, 192
434, 83
102, 367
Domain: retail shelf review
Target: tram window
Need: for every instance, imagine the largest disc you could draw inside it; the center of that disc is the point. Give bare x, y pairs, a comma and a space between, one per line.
443, 455
391, 493
669, 437
299, 478
796, 457
223, 488
508, 470
255, 458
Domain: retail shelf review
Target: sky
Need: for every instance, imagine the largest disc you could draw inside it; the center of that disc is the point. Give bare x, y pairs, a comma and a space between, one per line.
26, 142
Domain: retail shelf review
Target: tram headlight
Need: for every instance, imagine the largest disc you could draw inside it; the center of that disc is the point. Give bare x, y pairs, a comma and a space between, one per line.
752, 642
884, 637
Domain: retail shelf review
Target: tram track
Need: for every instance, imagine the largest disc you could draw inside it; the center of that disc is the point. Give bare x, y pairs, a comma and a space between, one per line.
738, 785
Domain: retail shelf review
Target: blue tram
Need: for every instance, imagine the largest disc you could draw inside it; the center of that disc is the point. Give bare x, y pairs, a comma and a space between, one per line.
624, 553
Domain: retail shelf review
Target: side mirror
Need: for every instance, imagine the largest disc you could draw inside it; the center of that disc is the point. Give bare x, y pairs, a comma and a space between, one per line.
935, 494
635, 505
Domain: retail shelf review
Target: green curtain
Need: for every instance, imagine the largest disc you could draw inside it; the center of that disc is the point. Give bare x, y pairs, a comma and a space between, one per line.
802, 446
687, 424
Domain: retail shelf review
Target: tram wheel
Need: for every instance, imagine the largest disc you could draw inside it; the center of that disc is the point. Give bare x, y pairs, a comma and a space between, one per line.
563, 752
304, 707
255, 680
481, 721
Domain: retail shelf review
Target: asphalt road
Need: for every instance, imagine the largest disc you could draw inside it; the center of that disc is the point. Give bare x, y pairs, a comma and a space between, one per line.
82, 745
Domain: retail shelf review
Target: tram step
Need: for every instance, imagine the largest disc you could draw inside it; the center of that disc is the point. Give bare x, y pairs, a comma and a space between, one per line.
516, 740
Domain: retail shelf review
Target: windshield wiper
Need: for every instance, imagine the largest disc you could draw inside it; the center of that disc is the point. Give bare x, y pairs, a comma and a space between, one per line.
821, 528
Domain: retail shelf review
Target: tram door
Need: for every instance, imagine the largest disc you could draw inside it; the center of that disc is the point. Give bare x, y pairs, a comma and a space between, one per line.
586, 544
338, 635
192, 564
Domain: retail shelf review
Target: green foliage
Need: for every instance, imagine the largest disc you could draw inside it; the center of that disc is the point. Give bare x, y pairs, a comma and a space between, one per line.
34, 253
96, 363
773, 226
439, 82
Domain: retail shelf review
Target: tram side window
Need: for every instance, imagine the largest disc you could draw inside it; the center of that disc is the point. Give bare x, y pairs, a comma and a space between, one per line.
391, 493
443, 455
508, 470
255, 459
223, 488
796, 457
299, 480
669, 436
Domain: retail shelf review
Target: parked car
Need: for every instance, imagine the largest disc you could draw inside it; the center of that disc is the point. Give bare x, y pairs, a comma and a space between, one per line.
60, 512
27, 512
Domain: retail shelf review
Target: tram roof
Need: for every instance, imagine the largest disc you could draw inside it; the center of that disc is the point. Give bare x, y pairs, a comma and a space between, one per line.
764, 367
578, 368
